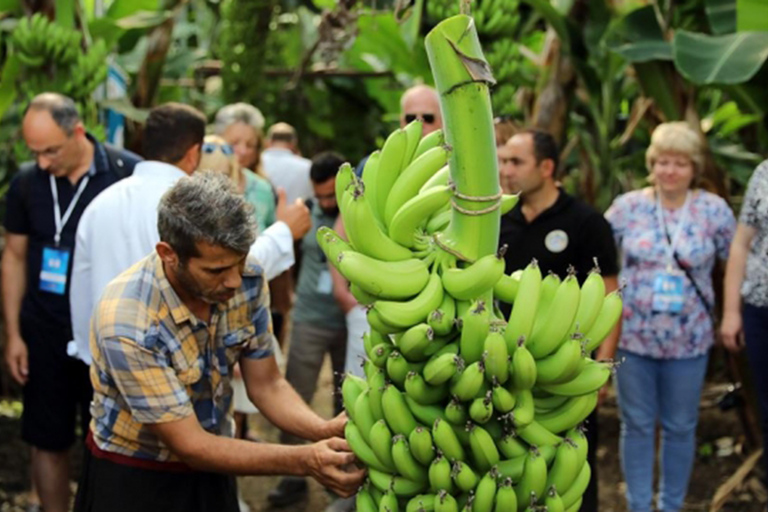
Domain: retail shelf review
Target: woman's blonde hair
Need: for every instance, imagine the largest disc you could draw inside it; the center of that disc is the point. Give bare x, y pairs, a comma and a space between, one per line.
219, 162
676, 137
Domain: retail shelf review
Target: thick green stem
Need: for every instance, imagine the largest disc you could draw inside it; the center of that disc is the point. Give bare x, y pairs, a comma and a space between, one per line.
463, 78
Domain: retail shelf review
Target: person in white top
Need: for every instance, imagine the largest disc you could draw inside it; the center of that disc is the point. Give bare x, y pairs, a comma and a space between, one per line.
120, 226
283, 166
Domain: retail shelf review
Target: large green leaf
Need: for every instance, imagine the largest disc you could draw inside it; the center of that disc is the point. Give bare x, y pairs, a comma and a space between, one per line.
638, 37
729, 59
65, 13
722, 16
122, 8
657, 84
751, 15
10, 6
10, 72
411, 27
558, 22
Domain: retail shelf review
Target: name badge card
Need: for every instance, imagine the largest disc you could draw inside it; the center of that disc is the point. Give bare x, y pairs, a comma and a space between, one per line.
668, 292
53, 274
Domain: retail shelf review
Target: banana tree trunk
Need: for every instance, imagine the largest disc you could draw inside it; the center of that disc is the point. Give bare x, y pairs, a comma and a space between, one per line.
462, 77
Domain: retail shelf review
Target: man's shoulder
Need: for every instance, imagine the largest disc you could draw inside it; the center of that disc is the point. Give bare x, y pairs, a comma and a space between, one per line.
131, 301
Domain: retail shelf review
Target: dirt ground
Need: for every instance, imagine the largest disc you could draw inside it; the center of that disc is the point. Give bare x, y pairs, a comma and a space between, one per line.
709, 473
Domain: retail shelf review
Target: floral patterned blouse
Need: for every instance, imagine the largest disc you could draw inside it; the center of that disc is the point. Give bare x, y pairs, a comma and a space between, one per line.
754, 213
706, 235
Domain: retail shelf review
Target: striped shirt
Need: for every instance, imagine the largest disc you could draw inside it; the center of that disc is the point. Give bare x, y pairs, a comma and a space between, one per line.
155, 362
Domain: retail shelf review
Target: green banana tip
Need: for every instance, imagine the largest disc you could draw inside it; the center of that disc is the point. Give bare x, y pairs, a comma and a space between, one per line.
502, 251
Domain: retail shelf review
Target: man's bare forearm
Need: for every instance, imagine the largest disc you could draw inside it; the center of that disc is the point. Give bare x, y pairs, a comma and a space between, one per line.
14, 276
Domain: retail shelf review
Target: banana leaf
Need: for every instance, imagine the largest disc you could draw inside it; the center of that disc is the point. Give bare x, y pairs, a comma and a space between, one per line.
721, 15
638, 37
751, 15
729, 59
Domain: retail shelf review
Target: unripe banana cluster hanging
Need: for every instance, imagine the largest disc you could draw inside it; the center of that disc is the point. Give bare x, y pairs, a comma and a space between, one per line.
461, 408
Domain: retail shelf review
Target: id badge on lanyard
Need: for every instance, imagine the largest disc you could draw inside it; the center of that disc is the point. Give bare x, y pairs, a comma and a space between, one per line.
669, 285
55, 264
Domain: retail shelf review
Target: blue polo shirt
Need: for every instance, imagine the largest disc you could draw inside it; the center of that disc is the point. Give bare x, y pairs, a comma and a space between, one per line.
30, 212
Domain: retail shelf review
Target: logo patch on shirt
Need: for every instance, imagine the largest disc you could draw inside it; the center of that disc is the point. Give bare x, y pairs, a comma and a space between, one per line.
556, 241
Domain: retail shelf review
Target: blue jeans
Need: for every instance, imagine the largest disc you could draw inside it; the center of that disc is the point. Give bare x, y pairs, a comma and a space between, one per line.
664, 391
755, 335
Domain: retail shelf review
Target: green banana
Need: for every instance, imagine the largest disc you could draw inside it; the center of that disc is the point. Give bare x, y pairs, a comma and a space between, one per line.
413, 178
456, 412
590, 303
440, 475
446, 441
503, 400
578, 438
560, 366
591, 378
523, 313
533, 481
467, 383
429, 141
385, 279
364, 501
440, 179
548, 402
445, 502
421, 503
610, 313
496, 358
423, 393
426, 414
345, 177
370, 174
481, 409
389, 502
575, 507
559, 316
381, 444
564, 469
398, 368
505, 288
576, 490
570, 414
414, 311
380, 353
464, 476
525, 409
365, 234
361, 449
536, 435
396, 411
376, 382
475, 325
485, 494
476, 279
511, 447
439, 221
484, 450
351, 387
421, 445
440, 368
391, 163
364, 416
415, 341
506, 499
508, 201
413, 132
553, 502
442, 319
415, 212
400, 485
404, 460
523, 368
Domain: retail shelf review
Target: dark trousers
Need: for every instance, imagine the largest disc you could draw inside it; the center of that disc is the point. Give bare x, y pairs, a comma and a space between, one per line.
756, 337
107, 486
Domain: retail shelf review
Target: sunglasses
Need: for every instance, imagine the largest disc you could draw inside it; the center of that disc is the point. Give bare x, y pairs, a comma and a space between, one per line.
210, 147
426, 118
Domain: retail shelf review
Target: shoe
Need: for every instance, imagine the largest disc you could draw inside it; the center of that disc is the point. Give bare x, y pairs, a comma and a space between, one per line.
290, 490
341, 505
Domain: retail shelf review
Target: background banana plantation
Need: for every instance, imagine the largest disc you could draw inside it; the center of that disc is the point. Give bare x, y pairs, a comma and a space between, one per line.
600, 74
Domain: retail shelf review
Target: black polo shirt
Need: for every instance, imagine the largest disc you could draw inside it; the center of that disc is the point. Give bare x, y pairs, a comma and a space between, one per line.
569, 232
30, 212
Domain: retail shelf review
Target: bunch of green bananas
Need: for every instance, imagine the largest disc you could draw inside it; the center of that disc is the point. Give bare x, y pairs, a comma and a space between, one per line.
461, 409
38, 41
496, 18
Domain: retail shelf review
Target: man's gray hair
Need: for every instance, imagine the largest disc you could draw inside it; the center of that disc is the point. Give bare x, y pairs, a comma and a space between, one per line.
63, 110
205, 207
238, 113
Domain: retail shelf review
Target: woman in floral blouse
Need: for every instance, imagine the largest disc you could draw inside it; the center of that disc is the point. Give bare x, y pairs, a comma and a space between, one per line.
669, 235
746, 281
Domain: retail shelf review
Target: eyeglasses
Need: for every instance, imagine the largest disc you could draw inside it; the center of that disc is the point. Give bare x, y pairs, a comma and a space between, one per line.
49, 153
210, 147
426, 118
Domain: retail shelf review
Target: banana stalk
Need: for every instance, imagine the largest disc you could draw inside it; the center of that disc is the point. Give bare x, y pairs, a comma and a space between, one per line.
462, 77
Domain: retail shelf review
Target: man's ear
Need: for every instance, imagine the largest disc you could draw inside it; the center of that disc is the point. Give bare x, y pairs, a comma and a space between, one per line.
547, 167
79, 129
167, 254
191, 159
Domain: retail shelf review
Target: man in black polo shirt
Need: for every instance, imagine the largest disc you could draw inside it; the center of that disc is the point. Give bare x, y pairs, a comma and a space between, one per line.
44, 204
559, 231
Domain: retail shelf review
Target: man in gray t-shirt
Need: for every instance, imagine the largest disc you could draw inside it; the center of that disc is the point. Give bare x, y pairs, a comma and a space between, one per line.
319, 325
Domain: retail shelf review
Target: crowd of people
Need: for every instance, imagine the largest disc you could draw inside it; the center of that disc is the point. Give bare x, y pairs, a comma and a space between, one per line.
153, 302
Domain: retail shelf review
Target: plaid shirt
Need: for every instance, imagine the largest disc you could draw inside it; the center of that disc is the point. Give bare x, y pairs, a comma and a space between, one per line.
155, 362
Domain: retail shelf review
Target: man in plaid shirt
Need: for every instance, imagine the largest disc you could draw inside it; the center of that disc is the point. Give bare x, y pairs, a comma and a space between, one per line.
164, 338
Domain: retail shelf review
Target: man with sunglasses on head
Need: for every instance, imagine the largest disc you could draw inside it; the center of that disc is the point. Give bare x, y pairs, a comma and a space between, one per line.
45, 201
120, 227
